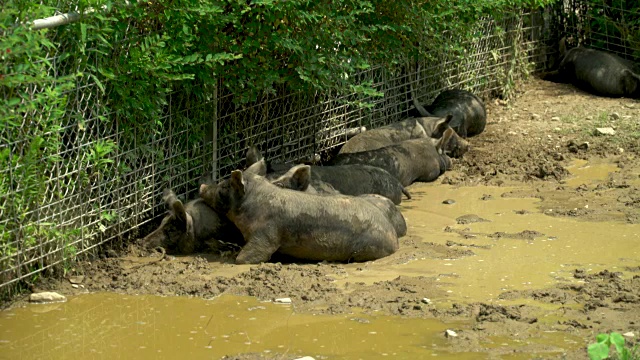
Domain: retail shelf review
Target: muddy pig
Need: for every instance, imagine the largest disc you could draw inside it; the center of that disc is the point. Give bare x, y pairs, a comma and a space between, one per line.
348, 180
357, 180
298, 224
469, 113
191, 227
413, 128
409, 161
297, 178
598, 72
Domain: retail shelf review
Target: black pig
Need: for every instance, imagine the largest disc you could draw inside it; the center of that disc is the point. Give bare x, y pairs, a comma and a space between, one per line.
413, 128
298, 224
188, 227
409, 161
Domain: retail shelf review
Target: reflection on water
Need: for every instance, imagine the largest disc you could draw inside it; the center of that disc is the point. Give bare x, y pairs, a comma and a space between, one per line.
110, 326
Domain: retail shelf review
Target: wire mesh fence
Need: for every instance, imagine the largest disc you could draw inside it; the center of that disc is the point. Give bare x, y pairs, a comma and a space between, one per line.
100, 178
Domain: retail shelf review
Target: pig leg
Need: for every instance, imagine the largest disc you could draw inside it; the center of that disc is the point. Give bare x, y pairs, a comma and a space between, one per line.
256, 250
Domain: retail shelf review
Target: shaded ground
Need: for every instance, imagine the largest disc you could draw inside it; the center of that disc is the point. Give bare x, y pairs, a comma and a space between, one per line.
529, 143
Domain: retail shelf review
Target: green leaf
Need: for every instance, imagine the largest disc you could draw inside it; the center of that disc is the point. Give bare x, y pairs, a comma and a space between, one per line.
618, 341
98, 83
598, 351
603, 338
83, 32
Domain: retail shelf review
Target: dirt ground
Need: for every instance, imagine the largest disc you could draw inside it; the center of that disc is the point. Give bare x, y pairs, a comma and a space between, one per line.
529, 141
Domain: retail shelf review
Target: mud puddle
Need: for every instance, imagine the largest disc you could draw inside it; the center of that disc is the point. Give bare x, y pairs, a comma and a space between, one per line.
507, 243
106, 325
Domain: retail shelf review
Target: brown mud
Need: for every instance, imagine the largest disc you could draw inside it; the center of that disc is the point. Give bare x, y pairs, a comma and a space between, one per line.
538, 253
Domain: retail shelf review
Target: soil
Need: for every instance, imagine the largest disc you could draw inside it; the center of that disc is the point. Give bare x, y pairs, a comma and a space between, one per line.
531, 141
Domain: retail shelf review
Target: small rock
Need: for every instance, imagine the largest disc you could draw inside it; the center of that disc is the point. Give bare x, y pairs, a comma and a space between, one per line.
282, 301
605, 131
620, 150
511, 133
449, 202
305, 358
76, 279
615, 116
75, 286
557, 129
450, 333
583, 145
426, 301
535, 116
46, 297
555, 118
629, 334
630, 105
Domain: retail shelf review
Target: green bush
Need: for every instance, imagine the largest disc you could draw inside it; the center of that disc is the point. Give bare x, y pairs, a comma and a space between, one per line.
142, 60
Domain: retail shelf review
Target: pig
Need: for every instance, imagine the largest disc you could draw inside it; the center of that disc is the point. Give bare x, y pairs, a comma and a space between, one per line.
294, 180
291, 180
191, 227
409, 161
348, 180
598, 72
469, 112
304, 226
413, 128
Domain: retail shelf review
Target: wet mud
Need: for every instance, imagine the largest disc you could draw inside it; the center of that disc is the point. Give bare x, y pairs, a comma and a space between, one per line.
538, 252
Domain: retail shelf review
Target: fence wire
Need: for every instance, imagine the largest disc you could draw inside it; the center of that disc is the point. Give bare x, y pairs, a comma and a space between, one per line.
107, 178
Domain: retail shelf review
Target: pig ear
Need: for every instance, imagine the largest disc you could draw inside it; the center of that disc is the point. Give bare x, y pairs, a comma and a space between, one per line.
302, 177
236, 181
169, 197
259, 168
444, 140
443, 124
179, 211
299, 177
253, 156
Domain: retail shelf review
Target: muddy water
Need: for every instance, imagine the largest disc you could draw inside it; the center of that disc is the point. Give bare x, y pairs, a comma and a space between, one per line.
500, 263
105, 325
111, 326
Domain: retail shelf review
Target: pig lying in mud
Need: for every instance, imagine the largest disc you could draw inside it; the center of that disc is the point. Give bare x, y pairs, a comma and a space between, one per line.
347, 180
297, 178
413, 128
468, 111
409, 161
298, 224
191, 227
598, 72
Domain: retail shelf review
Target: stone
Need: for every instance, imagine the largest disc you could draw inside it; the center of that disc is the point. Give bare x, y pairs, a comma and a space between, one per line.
76, 279
282, 301
629, 334
46, 297
615, 116
449, 202
605, 131
426, 301
450, 333
305, 358
555, 118
535, 116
